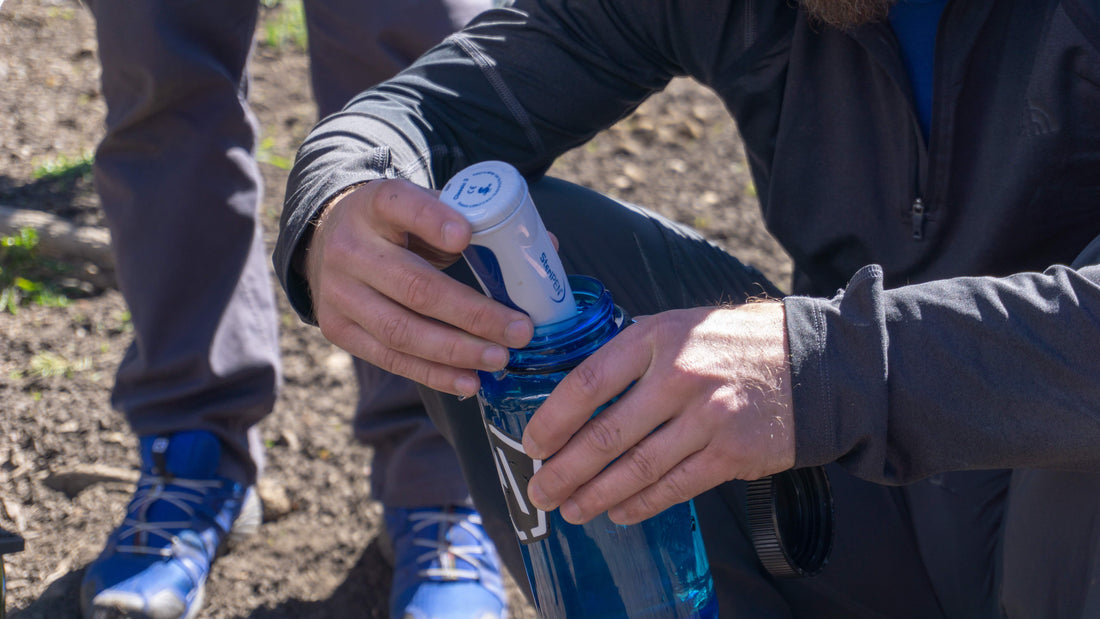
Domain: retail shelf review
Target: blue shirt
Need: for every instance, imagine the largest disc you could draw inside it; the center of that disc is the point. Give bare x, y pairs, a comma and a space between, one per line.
915, 23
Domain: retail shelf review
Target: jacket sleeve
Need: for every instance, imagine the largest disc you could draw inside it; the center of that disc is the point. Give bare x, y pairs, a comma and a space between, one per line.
522, 85
965, 373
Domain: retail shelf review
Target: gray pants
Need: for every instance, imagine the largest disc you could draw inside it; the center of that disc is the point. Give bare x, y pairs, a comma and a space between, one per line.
931, 549
181, 191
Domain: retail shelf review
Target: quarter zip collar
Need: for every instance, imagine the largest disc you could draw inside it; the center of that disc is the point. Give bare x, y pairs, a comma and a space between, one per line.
959, 27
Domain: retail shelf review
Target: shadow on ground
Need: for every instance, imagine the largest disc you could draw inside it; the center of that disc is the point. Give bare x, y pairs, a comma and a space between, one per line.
364, 593
67, 192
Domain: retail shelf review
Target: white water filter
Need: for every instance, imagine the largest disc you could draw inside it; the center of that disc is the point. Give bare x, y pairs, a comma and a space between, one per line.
510, 252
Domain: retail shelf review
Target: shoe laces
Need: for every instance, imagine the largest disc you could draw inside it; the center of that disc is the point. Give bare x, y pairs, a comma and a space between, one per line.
442, 549
183, 494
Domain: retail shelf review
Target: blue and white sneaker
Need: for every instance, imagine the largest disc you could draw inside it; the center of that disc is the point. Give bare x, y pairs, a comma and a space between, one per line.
445, 566
155, 564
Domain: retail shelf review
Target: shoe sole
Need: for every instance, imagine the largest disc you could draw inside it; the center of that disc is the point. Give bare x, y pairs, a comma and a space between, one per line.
251, 517
120, 607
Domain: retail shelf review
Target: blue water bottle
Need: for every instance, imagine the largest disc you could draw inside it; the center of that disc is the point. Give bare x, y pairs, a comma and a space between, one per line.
655, 569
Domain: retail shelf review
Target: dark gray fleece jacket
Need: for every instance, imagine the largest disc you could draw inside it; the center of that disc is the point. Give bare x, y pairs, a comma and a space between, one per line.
947, 308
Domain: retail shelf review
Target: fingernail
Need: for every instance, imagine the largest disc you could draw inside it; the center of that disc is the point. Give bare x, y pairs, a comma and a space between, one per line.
571, 512
466, 386
538, 498
495, 357
451, 232
531, 448
518, 333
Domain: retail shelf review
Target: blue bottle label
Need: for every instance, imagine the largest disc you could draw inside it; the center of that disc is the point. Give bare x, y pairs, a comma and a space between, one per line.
515, 468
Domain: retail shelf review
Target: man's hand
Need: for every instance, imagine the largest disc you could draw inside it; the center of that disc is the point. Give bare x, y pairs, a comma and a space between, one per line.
712, 402
373, 270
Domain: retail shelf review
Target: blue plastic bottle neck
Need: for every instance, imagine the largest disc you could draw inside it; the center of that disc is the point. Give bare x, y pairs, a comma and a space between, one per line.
564, 344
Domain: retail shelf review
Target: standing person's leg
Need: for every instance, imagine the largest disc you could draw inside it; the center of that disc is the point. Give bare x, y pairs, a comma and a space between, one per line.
180, 189
650, 265
415, 475
354, 45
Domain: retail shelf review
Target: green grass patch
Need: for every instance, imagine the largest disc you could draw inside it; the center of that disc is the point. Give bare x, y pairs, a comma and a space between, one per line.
48, 364
25, 277
286, 24
64, 167
54, 12
266, 154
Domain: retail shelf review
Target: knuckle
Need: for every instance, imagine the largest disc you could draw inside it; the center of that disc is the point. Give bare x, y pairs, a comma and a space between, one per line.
674, 489
643, 466
419, 215
396, 332
586, 380
394, 362
657, 326
385, 199
436, 378
602, 437
644, 506
476, 320
451, 352
396, 201
419, 290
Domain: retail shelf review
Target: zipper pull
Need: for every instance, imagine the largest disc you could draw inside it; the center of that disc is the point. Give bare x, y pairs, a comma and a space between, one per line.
917, 213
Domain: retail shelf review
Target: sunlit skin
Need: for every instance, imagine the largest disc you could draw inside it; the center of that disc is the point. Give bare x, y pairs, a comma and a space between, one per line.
712, 402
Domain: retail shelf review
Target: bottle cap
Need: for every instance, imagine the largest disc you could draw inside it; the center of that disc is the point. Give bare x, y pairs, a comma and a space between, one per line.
790, 516
485, 193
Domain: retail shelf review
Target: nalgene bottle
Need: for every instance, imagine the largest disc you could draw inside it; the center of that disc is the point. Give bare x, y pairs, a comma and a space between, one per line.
657, 568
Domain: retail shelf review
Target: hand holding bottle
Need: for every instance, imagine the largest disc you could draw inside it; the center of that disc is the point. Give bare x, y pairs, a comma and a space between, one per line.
373, 268
711, 401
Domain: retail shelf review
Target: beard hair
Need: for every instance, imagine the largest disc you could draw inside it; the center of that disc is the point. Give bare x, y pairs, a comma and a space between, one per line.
847, 14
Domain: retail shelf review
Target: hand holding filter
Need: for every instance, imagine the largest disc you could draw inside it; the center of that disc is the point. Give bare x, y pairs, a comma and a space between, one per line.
510, 253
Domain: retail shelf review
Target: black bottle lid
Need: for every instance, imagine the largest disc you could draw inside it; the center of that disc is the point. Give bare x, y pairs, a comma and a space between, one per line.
790, 518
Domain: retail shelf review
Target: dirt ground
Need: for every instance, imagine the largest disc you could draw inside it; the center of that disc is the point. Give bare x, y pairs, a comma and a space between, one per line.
67, 459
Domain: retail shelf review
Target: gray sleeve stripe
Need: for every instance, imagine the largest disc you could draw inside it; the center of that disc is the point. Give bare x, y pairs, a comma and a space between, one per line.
488, 67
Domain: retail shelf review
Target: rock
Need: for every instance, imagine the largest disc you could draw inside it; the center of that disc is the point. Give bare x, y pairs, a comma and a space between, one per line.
75, 480
275, 499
